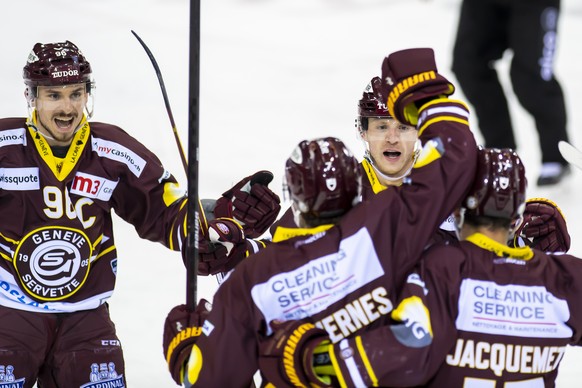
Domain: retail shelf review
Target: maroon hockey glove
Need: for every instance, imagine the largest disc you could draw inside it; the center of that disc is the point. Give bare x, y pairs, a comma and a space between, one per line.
222, 247
287, 357
543, 226
251, 203
410, 79
181, 330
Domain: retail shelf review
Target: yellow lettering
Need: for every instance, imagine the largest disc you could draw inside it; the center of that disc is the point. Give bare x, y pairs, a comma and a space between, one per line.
406, 84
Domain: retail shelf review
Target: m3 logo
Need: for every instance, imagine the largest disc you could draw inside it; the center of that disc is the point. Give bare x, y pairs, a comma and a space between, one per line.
92, 186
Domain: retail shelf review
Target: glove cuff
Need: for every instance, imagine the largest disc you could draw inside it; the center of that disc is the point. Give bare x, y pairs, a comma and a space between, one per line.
179, 349
178, 364
316, 359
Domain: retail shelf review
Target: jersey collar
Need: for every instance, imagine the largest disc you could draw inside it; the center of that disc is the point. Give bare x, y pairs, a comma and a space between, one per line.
60, 167
372, 177
501, 250
282, 234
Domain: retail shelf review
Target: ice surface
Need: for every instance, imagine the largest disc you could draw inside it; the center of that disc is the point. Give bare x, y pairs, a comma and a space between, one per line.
273, 72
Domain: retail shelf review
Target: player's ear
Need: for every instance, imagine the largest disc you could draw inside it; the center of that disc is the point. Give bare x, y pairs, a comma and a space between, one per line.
363, 135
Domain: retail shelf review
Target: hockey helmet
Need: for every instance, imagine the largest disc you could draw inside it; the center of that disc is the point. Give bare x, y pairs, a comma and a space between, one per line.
323, 178
54, 64
499, 186
371, 105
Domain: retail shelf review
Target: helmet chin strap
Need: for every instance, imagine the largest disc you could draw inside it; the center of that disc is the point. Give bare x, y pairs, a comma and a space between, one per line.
459, 222
297, 215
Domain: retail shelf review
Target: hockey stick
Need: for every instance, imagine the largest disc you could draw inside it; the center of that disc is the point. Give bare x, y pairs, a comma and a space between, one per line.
570, 153
166, 100
193, 141
191, 172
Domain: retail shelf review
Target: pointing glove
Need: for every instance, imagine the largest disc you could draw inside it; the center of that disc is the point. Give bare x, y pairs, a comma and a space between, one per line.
251, 203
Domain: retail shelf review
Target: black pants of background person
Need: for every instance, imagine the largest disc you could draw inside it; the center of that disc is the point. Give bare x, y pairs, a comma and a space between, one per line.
487, 28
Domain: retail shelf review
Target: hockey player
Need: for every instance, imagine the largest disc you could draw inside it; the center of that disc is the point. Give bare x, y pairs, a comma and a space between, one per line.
476, 314
391, 147
61, 178
499, 316
345, 273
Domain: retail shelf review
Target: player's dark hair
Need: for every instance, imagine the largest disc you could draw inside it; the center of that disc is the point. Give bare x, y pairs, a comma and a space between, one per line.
487, 222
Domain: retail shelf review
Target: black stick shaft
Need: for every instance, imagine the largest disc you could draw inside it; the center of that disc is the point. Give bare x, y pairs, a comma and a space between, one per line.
166, 100
193, 154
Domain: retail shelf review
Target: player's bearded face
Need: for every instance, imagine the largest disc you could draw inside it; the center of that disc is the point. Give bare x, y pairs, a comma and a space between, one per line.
391, 145
59, 111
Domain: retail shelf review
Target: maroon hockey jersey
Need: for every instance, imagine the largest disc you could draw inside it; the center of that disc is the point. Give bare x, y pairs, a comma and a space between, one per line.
56, 237
344, 277
499, 317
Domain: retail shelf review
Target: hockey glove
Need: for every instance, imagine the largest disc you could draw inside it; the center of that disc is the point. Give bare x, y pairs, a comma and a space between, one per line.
181, 330
409, 80
251, 203
222, 247
289, 357
543, 227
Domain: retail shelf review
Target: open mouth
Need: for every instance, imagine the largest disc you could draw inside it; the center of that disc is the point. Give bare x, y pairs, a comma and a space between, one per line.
64, 124
392, 154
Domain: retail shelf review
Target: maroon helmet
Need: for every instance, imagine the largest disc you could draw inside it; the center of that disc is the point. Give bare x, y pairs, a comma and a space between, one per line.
56, 64
371, 105
499, 186
323, 178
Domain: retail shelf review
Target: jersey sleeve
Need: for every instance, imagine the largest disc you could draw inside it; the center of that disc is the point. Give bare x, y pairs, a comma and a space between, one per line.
147, 195
226, 354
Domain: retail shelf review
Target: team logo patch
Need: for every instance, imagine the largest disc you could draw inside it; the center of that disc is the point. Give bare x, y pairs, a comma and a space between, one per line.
52, 263
347, 353
223, 228
104, 375
7, 378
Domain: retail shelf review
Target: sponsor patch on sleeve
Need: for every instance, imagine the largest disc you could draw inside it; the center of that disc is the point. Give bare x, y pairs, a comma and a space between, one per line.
12, 137
115, 151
